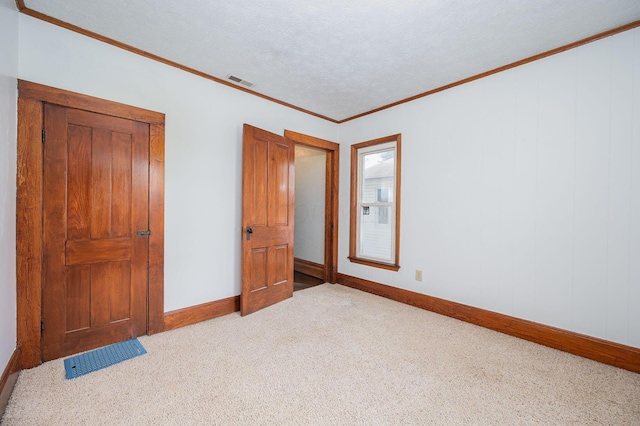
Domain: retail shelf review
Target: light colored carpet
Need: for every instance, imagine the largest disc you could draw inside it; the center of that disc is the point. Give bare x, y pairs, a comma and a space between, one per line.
332, 355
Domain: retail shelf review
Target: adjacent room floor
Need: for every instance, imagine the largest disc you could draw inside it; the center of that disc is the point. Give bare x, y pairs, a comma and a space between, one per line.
302, 281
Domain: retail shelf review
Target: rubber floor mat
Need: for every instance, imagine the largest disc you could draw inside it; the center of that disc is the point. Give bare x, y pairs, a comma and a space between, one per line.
95, 360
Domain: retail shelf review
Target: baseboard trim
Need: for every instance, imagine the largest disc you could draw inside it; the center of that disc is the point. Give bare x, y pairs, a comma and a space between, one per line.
604, 351
309, 268
8, 379
206, 311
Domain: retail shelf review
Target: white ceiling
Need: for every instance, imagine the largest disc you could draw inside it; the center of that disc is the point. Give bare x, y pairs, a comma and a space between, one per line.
340, 58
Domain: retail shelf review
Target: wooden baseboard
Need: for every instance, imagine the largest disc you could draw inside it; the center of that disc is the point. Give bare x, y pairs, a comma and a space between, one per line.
611, 353
8, 379
206, 311
309, 268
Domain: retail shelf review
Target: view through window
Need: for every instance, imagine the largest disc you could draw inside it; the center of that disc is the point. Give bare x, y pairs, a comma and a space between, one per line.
375, 195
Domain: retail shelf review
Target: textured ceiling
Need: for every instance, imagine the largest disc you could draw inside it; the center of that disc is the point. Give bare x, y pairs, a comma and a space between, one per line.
341, 58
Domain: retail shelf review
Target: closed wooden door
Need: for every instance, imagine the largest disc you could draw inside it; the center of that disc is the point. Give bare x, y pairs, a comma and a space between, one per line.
96, 174
267, 219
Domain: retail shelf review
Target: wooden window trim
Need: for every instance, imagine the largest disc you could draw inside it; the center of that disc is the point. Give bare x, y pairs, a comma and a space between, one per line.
354, 203
29, 256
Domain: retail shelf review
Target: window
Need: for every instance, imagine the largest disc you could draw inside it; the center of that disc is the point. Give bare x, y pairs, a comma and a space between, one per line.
383, 212
375, 203
383, 215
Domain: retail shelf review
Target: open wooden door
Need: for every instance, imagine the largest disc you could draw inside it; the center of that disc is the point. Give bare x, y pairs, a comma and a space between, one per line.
267, 219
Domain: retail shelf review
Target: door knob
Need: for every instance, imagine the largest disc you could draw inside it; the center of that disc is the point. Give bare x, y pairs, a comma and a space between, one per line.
249, 232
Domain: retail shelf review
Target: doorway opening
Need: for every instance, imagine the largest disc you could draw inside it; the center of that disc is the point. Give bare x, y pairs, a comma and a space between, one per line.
310, 165
316, 210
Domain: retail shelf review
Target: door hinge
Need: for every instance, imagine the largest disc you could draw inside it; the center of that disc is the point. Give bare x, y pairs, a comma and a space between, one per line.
41, 326
42, 135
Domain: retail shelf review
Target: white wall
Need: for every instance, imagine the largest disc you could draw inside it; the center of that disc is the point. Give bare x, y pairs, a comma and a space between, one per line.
521, 191
203, 147
310, 206
8, 129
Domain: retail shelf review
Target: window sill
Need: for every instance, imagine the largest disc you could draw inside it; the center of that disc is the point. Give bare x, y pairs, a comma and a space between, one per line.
373, 263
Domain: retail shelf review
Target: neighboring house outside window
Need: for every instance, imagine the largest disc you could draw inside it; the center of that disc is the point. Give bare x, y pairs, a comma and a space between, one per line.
375, 197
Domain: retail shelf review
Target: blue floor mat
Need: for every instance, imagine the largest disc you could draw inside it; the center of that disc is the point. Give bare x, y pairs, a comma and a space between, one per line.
98, 359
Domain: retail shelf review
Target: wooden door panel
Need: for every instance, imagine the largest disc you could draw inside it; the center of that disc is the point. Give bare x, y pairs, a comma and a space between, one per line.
121, 185
78, 296
267, 209
120, 294
258, 268
78, 183
92, 251
95, 285
259, 162
101, 184
110, 292
280, 185
280, 269
100, 294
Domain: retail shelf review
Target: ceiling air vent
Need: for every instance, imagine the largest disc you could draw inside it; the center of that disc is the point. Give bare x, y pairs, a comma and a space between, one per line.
240, 80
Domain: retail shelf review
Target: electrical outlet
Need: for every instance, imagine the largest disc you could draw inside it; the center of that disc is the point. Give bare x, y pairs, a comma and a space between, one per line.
418, 275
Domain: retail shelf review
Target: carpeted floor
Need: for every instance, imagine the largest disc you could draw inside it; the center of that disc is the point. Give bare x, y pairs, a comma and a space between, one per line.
331, 356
